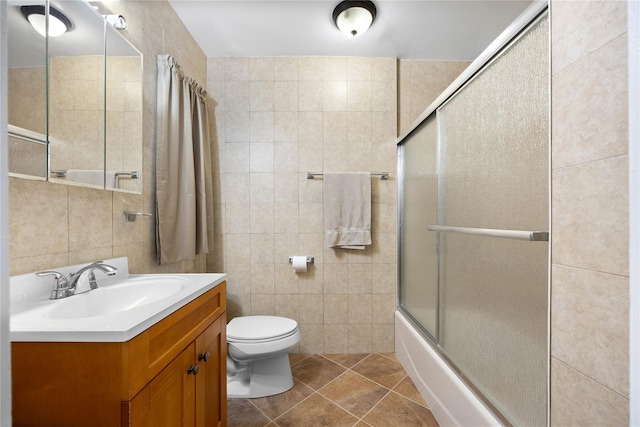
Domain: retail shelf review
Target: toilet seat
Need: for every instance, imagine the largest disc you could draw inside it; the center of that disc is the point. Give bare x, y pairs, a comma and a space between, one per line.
260, 329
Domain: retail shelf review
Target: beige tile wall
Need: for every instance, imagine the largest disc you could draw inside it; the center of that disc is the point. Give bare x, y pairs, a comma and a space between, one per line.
419, 83
53, 224
26, 98
277, 118
590, 266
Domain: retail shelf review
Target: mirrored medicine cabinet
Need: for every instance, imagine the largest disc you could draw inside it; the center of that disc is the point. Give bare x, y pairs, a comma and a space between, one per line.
75, 100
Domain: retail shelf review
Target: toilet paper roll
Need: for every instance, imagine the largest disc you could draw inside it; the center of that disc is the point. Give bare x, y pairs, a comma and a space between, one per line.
299, 264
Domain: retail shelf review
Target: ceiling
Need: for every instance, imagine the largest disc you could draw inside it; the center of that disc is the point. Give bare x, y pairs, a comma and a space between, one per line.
406, 29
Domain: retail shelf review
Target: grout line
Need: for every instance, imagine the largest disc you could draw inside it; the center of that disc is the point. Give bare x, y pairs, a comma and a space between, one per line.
294, 406
318, 392
260, 410
411, 400
374, 406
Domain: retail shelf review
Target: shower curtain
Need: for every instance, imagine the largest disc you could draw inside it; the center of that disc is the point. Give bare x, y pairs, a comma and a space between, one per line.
183, 166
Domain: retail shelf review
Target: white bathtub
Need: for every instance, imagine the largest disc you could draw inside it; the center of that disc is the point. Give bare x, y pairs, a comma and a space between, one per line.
451, 402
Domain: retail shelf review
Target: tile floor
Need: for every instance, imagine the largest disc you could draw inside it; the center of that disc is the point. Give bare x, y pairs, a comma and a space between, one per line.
335, 390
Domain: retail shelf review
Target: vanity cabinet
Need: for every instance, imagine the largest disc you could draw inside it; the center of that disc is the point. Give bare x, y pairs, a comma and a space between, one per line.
172, 374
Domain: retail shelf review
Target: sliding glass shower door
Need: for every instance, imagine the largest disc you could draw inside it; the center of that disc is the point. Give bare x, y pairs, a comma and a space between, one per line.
477, 280
419, 264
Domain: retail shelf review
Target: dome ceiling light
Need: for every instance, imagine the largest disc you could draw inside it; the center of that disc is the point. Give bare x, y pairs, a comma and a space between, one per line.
58, 22
353, 17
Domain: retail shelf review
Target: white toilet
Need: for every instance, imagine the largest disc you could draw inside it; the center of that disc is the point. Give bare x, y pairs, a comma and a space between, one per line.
258, 355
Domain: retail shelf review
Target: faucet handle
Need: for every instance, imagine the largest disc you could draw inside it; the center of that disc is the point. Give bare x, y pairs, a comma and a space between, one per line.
60, 283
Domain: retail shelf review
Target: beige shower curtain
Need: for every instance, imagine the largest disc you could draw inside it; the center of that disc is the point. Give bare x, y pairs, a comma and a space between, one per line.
183, 166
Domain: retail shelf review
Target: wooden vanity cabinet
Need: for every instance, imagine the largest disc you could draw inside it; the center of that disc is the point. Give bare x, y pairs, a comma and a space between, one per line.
173, 374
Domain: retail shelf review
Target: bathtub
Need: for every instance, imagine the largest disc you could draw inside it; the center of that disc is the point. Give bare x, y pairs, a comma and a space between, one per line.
450, 400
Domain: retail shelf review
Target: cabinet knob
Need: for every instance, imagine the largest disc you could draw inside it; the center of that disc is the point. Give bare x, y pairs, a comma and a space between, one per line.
204, 356
193, 369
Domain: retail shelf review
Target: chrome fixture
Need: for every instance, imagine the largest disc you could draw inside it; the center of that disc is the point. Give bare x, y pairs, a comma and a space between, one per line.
382, 175
353, 17
310, 260
63, 288
60, 284
58, 21
532, 236
107, 269
130, 216
127, 175
117, 21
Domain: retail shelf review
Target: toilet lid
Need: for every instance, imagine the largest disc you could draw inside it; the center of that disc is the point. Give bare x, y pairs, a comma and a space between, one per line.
259, 328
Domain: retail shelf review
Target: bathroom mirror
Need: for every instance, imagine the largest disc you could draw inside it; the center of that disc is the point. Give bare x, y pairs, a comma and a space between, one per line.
26, 97
92, 76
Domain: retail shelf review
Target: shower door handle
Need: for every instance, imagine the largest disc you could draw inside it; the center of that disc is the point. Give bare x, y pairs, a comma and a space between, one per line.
534, 236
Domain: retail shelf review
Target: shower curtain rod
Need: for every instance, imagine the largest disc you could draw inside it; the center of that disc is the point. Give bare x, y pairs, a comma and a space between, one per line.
382, 175
534, 236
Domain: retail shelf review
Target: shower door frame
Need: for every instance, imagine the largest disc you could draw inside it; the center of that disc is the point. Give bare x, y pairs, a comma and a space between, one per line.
534, 13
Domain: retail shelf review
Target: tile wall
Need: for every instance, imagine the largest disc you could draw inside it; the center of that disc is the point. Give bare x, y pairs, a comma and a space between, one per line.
420, 83
276, 118
590, 266
53, 225
26, 98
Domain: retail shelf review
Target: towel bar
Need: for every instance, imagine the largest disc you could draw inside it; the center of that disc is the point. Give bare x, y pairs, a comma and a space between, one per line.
132, 174
382, 175
534, 236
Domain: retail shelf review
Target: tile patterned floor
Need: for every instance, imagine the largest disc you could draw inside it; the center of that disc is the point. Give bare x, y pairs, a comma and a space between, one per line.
336, 390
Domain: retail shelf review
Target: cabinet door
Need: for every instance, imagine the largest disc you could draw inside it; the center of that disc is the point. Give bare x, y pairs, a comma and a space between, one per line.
169, 399
211, 381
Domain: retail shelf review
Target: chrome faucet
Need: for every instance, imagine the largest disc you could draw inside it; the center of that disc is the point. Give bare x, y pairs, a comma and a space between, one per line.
60, 284
107, 269
63, 288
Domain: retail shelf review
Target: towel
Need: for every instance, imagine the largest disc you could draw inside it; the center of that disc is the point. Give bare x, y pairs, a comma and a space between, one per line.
347, 209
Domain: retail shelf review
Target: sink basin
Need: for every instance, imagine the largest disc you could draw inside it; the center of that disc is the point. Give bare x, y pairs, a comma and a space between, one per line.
120, 308
133, 293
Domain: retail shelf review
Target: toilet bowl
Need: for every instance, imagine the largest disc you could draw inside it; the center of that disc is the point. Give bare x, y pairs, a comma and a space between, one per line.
258, 355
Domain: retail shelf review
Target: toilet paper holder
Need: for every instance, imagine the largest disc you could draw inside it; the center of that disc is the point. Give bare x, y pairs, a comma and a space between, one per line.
309, 260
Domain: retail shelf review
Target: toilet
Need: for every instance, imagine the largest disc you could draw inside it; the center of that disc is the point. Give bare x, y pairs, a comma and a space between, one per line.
258, 355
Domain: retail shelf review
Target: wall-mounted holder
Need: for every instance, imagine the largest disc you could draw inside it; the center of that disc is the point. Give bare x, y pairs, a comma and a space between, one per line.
310, 260
300, 263
130, 216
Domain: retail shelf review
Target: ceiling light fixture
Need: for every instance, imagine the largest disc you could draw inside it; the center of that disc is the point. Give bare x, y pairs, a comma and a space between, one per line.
353, 17
58, 22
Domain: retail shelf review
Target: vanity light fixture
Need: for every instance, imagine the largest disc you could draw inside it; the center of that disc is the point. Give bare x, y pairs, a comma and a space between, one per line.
353, 17
36, 15
117, 21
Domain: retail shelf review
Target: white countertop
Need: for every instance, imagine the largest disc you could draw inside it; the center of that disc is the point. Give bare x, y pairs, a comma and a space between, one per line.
33, 319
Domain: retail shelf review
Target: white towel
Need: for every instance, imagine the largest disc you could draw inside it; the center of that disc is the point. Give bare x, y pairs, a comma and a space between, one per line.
347, 209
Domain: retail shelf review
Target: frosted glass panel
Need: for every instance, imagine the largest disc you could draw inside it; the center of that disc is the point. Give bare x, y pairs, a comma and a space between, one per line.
418, 258
493, 320
494, 141
493, 173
